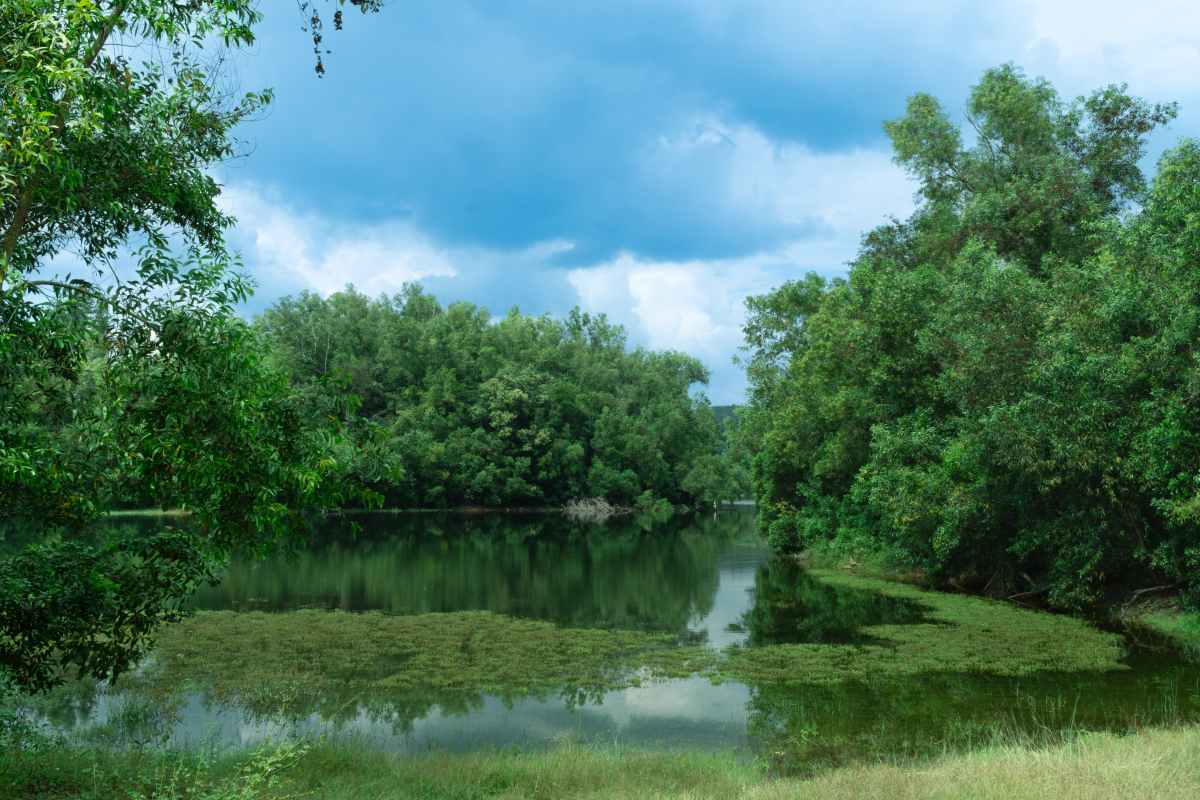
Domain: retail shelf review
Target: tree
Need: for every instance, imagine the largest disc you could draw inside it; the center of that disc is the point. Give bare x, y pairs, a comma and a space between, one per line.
997, 392
169, 396
520, 411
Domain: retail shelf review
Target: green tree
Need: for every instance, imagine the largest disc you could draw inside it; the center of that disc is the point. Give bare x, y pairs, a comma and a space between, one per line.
997, 392
512, 412
154, 389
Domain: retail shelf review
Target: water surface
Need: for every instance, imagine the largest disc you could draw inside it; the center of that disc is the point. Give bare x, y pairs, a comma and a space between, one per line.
706, 581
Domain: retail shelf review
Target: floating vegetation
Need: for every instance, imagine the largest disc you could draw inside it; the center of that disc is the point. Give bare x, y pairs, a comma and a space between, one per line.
336, 663
958, 634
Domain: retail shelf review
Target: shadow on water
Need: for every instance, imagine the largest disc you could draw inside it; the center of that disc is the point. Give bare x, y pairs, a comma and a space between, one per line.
705, 581
792, 607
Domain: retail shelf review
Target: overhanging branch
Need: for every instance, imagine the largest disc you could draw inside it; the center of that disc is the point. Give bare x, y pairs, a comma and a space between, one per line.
86, 289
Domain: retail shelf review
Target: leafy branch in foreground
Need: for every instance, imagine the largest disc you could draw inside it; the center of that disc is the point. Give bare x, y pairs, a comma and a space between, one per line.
138, 380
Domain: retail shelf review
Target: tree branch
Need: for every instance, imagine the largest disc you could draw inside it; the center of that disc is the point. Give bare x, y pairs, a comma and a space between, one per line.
25, 200
90, 291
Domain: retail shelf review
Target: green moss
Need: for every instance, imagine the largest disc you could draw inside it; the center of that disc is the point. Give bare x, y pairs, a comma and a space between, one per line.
958, 634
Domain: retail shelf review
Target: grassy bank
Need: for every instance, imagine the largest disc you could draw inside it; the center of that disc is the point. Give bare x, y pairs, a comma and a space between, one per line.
1162, 764
957, 634
1179, 626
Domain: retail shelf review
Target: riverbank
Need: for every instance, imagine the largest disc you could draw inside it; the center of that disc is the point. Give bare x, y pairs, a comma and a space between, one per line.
1181, 627
585, 510
1163, 618
1163, 764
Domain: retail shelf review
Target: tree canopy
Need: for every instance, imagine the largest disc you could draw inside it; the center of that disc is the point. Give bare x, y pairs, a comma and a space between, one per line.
449, 407
1003, 391
122, 365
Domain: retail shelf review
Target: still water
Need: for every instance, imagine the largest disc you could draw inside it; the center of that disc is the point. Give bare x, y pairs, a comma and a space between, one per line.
707, 580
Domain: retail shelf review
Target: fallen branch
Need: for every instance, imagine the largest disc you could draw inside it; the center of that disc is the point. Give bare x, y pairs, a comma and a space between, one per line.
593, 509
1032, 593
1165, 587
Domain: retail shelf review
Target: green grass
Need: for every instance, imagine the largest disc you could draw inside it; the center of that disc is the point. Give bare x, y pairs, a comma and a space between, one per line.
1163, 764
1181, 627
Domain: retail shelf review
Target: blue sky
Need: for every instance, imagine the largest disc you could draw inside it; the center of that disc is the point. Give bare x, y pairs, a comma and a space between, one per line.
656, 160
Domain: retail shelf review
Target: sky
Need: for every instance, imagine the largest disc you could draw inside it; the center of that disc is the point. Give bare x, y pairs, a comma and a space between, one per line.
654, 160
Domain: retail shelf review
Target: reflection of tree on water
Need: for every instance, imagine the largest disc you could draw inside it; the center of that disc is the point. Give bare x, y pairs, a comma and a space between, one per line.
801, 728
791, 606
542, 567
615, 576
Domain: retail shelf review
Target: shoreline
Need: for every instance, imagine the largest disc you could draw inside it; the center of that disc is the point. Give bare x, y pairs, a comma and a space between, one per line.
1163, 619
466, 510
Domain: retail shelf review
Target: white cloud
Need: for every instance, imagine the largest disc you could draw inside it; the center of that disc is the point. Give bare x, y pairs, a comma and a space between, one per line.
695, 306
698, 306
1095, 30
846, 192
324, 255
1154, 46
742, 178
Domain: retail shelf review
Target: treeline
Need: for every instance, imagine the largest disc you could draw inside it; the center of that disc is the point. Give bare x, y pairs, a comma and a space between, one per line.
1005, 390
446, 406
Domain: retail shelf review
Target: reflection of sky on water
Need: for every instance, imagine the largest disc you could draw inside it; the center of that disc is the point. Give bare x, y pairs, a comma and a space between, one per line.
704, 581
684, 713
737, 568
691, 712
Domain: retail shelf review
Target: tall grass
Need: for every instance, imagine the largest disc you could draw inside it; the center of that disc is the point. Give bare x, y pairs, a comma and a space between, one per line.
1161, 763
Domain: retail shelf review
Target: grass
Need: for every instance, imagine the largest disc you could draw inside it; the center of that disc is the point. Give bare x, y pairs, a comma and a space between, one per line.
1179, 626
1163, 764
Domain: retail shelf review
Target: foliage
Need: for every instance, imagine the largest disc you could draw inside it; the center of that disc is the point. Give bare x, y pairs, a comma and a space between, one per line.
450, 407
1002, 392
144, 383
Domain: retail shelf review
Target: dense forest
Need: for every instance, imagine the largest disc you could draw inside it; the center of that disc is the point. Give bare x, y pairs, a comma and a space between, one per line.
445, 406
1004, 391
